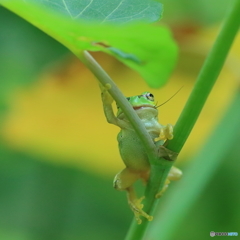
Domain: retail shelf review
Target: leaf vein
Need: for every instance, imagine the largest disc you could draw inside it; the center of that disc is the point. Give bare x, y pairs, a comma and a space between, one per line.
66, 7
84, 9
131, 17
120, 3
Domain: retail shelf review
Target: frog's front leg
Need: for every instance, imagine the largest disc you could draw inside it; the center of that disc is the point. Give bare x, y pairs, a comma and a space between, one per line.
166, 132
107, 101
174, 175
124, 180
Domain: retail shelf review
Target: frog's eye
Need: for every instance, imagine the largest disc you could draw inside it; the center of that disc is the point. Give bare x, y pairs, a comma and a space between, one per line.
149, 96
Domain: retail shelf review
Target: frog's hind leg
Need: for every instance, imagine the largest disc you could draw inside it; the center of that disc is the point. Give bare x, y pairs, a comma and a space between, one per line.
174, 174
124, 180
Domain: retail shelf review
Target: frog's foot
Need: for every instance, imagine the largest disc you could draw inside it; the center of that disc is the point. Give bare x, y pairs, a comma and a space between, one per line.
106, 97
158, 195
137, 207
124, 180
168, 131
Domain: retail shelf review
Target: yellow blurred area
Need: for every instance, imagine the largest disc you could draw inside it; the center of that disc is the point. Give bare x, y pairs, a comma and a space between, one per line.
60, 117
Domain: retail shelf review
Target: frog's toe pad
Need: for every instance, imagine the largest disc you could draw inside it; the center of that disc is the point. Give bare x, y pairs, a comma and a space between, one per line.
169, 131
137, 207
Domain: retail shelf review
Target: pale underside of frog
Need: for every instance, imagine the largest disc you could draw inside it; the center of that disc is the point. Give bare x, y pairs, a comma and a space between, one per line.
132, 150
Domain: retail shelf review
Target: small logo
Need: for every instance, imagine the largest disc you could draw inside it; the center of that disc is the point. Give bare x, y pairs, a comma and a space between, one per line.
212, 234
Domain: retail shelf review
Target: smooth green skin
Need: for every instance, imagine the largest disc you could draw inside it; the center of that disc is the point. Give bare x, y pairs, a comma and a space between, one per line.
131, 148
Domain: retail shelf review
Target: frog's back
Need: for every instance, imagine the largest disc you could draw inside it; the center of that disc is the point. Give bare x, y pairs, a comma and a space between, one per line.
132, 150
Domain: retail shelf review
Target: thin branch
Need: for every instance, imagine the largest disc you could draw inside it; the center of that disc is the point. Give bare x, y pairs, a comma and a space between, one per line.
120, 99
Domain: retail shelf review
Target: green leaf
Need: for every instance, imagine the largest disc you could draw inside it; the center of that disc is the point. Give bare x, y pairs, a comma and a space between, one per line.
148, 49
114, 11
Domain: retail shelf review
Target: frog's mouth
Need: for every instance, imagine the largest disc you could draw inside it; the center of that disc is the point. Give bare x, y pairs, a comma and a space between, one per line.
143, 106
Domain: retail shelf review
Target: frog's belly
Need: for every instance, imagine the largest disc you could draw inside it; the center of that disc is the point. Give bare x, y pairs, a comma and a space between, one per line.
133, 152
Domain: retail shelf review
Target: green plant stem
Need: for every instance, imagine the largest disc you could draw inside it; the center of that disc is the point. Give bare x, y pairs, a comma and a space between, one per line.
205, 82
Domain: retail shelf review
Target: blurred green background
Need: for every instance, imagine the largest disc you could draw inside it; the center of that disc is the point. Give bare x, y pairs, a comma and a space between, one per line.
58, 156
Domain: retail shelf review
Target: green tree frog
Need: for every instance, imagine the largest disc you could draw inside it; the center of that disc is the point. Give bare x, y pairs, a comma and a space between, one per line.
131, 148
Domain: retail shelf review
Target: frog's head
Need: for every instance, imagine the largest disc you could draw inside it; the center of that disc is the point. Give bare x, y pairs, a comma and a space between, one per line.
144, 100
